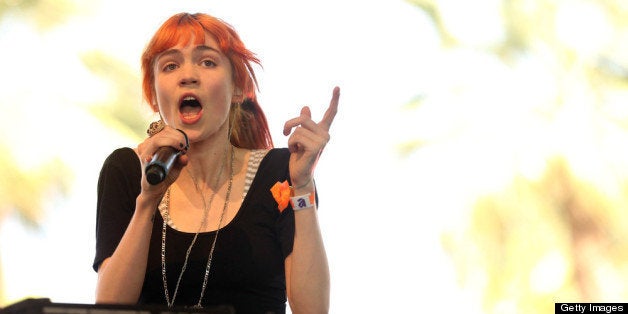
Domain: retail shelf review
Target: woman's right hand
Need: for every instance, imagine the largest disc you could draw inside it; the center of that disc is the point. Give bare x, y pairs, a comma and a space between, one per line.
145, 150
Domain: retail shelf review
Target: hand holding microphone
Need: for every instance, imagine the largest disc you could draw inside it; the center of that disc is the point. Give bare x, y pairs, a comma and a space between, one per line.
163, 160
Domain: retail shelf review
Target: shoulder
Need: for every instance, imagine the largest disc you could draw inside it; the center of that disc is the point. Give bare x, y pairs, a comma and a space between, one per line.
121, 173
122, 157
122, 153
122, 162
274, 166
278, 155
275, 159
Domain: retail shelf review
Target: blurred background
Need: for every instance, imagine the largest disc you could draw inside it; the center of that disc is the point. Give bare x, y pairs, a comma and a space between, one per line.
478, 162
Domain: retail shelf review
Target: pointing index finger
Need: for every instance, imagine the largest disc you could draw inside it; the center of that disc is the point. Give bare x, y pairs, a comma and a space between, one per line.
328, 118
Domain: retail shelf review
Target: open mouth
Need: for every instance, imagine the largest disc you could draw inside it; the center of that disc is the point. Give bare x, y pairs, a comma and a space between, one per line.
190, 107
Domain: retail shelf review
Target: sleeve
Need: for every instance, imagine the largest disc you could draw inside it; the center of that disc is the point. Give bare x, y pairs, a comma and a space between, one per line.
278, 170
285, 231
118, 187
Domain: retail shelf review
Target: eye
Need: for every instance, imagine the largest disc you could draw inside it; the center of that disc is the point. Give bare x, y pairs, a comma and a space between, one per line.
168, 67
208, 63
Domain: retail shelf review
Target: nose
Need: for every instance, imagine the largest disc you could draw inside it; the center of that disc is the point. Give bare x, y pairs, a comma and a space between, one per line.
189, 76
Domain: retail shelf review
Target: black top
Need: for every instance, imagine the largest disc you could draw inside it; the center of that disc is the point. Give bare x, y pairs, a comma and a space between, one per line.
247, 270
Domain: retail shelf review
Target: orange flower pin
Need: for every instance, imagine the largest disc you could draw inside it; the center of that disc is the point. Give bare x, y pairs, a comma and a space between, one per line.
281, 193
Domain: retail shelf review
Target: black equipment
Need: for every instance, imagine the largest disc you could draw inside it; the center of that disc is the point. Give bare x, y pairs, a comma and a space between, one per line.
45, 306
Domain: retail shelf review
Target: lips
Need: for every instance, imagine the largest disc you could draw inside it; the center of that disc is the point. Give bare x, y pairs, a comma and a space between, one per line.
190, 109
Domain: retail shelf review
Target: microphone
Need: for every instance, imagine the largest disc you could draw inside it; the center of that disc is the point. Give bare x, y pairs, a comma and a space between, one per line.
163, 160
160, 165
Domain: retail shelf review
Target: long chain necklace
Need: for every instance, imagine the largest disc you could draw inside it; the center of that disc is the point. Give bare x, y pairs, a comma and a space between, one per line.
206, 208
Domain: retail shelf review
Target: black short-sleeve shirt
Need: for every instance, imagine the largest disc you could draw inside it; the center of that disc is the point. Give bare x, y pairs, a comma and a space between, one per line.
247, 270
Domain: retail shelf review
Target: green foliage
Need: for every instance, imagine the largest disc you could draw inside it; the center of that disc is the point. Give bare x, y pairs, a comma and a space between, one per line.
43, 14
558, 235
25, 191
123, 112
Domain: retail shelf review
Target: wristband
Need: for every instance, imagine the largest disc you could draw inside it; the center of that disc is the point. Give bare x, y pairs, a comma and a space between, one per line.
302, 201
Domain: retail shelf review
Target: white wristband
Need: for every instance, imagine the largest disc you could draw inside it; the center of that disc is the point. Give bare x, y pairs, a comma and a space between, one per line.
302, 201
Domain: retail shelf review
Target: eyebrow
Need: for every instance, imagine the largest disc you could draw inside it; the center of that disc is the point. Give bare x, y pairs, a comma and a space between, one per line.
200, 48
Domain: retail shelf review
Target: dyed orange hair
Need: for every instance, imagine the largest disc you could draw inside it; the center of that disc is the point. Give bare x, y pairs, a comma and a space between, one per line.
249, 127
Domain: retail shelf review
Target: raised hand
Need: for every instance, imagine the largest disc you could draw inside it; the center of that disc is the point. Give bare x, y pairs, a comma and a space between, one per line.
308, 140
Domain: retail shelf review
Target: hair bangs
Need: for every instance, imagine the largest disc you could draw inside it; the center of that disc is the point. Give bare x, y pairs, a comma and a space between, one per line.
179, 32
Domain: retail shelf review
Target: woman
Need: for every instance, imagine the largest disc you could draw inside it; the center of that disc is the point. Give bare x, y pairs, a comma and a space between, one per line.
234, 222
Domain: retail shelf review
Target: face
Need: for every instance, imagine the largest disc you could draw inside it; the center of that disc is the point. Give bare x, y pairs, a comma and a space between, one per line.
194, 88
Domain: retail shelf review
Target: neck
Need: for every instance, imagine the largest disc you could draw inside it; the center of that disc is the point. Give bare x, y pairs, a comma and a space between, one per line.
210, 165
205, 160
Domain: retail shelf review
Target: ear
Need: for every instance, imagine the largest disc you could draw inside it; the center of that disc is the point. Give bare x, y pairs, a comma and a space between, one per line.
153, 101
237, 97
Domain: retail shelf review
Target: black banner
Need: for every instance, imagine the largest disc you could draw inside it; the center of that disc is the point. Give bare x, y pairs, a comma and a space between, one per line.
590, 308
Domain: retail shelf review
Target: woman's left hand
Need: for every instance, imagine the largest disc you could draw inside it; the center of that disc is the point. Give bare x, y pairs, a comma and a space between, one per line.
308, 140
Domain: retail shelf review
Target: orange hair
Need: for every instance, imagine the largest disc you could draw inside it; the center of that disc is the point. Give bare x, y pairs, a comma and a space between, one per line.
249, 128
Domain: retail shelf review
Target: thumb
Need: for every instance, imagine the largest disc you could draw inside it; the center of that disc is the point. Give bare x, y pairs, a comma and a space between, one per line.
305, 111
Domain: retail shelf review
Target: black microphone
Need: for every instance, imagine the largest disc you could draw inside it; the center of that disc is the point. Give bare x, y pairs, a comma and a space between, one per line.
160, 165
163, 160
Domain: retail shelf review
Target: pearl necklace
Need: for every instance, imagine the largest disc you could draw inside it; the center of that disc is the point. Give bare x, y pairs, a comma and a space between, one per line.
206, 208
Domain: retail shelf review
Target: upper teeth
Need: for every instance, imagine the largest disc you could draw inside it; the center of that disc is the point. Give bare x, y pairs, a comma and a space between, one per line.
189, 98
